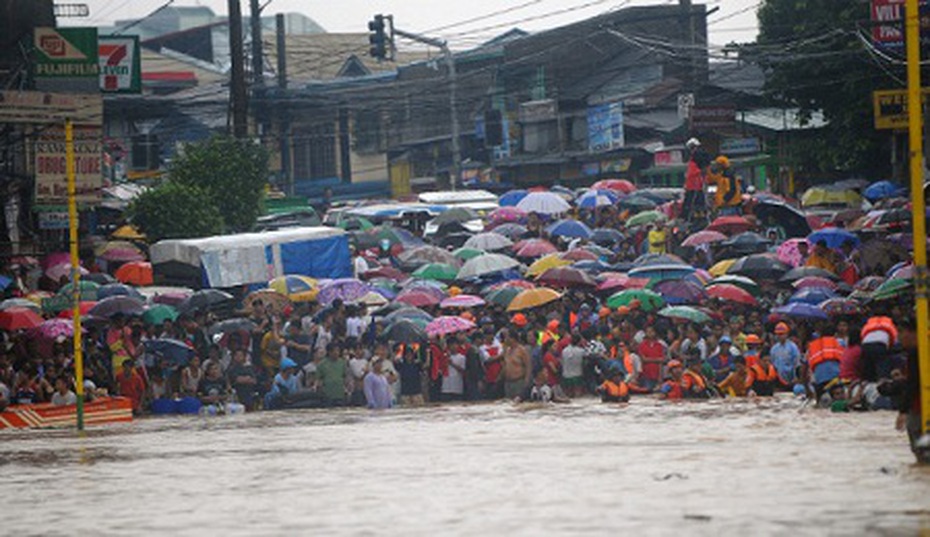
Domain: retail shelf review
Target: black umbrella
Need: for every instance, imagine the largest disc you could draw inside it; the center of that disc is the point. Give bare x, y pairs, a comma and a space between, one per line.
637, 202
405, 331
206, 299
606, 236
745, 243
513, 232
457, 214
776, 214
759, 267
237, 324
878, 255
454, 240
177, 352
117, 305
101, 278
803, 272
117, 289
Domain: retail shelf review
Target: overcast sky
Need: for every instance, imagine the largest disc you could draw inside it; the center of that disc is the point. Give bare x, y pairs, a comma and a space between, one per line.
463, 23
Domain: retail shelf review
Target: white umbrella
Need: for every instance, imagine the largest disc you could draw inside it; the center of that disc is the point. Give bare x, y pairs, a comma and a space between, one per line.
486, 264
488, 242
543, 203
19, 303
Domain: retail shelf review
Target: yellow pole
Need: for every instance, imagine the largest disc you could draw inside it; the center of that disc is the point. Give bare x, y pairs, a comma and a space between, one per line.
75, 272
915, 126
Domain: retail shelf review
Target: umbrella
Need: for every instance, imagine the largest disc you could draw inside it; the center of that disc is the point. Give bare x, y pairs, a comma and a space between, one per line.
803, 272
135, 273
407, 312
128, 232
173, 350
272, 300
419, 299
229, 326
759, 266
570, 228
345, 289
86, 290
893, 288
519, 284
746, 243
171, 298
703, 237
834, 237
456, 214
677, 292
596, 198
382, 272
801, 310
117, 305
533, 298
579, 254
880, 254
648, 260
685, 313
448, 324
462, 301
620, 282
566, 277
426, 254
606, 236
488, 242
101, 278
566, 193
486, 264
543, 203
505, 215
117, 289
637, 202
619, 185
840, 307
773, 214
600, 251
84, 308
355, 223
205, 299
732, 293
662, 272
883, 189
545, 263
534, 248
62, 270
503, 296
869, 283
119, 246
830, 196
788, 252
405, 331
19, 319
814, 281
646, 217
901, 270
721, 268
54, 329
729, 225
512, 198
647, 300
436, 271
464, 253
158, 314
812, 295
122, 255
511, 231
373, 299
19, 303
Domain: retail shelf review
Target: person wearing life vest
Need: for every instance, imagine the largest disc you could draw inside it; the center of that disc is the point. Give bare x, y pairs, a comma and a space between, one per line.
753, 349
739, 380
879, 335
693, 383
550, 333
823, 359
630, 364
728, 197
671, 389
614, 389
763, 377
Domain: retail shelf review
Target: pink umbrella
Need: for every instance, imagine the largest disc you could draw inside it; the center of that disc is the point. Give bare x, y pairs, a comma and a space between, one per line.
619, 185
122, 255
903, 273
448, 324
506, 215
704, 237
54, 329
579, 254
534, 248
462, 301
814, 281
57, 272
521, 284
171, 299
419, 299
788, 252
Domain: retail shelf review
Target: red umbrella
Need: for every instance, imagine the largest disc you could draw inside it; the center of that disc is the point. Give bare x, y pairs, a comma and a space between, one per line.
19, 319
704, 237
620, 282
390, 273
419, 299
731, 293
534, 248
579, 254
135, 273
519, 284
814, 281
731, 225
566, 277
85, 307
619, 185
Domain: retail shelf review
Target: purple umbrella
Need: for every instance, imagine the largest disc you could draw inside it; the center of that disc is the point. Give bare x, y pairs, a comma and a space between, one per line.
55, 328
462, 301
801, 310
345, 289
117, 305
812, 295
677, 292
448, 325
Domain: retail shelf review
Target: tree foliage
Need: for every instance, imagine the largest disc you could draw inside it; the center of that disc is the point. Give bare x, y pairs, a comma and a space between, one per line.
174, 211
814, 59
233, 173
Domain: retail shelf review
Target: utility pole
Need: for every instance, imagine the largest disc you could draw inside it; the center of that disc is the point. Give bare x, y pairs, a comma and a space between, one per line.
284, 125
377, 27
258, 66
237, 87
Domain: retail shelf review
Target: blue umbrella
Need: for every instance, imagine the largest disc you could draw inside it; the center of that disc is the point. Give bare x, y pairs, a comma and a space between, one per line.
117, 289
833, 236
177, 352
606, 235
883, 189
812, 295
5, 282
801, 310
592, 267
593, 199
662, 272
570, 228
512, 198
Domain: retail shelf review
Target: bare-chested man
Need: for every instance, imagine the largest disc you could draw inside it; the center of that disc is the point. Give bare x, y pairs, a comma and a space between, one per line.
518, 367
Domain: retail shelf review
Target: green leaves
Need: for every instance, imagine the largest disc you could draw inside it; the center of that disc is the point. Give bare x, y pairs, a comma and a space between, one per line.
176, 211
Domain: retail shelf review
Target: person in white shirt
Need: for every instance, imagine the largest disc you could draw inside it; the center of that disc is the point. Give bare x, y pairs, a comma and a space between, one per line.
453, 384
63, 395
359, 265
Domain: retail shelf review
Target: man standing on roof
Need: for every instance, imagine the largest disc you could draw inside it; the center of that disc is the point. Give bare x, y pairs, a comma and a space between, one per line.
693, 205
728, 197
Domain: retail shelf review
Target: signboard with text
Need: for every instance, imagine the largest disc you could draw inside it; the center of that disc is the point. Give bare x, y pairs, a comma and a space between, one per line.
887, 17
51, 174
43, 107
740, 146
708, 118
605, 127
120, 64
890, 108
66, 52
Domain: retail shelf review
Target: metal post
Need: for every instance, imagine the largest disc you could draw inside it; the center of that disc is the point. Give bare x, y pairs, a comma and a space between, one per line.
237, 87
73, 223
915, 114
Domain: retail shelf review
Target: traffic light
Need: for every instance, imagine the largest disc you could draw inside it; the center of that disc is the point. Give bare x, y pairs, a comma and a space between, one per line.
377, 38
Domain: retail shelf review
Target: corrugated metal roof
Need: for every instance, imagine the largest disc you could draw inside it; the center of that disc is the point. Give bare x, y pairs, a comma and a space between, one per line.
784, 119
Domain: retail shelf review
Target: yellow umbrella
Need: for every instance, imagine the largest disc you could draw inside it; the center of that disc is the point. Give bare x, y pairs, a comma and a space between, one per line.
115, 245
545, 263
829, 196
272, 300
532, 298
721, 268
296, 287
129, 233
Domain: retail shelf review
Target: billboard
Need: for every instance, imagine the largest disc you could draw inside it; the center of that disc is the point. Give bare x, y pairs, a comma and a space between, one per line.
66, 52
44, 107
120, 64
51, 173
887, 17
605, 127
890, 108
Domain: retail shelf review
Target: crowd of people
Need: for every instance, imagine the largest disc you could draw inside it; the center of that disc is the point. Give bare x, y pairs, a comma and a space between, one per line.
349, 352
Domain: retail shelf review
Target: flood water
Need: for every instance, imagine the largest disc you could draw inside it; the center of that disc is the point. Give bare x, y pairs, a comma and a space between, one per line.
722, 467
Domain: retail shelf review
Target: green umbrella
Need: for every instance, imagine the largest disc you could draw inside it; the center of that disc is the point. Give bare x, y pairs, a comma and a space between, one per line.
748, 284
88, 290
645, 217
436, 271
686, 313
649, 300
158, 314
468, 253
504, 296
893, 289
355, 223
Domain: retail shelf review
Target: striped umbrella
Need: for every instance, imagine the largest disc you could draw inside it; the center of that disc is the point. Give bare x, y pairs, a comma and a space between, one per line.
295, 287
448, 324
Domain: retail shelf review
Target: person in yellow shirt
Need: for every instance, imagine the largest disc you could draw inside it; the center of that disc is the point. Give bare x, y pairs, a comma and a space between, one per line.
821, 258
728, 197
657, 239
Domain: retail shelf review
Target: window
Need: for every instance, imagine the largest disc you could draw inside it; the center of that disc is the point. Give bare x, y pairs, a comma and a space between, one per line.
367, 131
315, 152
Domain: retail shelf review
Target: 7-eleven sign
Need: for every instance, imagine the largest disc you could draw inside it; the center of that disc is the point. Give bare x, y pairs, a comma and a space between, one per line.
120, 64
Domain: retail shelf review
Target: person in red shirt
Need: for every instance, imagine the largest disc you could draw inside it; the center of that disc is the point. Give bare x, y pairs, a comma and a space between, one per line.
131, 385
439, 366
653, 352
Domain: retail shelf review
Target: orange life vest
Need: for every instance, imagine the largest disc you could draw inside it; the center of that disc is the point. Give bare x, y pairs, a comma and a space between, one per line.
619, 390
693, 379
885, 324
823, 349
763, 374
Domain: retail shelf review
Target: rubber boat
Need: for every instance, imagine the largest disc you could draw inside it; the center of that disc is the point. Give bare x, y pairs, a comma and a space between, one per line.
100, 411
